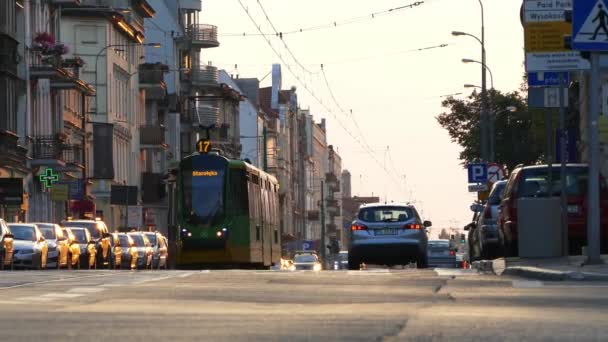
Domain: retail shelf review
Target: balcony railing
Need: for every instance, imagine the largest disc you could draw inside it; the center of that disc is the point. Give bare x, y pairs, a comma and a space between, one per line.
205, 113
313, 215
204, 75
204, 36
50, 150
152, 135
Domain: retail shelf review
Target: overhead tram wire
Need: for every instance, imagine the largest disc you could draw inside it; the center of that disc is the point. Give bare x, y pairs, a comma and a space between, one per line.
310, 92
333, 24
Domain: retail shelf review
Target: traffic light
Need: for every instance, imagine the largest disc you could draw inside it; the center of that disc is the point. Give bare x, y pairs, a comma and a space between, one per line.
462, 238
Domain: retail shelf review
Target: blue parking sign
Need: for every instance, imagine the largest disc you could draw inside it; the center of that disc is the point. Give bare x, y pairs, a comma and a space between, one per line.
478, 173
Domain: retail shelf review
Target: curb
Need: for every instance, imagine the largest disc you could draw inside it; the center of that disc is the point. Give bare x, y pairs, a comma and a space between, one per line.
551, 275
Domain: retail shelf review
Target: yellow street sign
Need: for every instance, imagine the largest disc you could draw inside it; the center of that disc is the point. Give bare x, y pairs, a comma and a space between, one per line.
546, 36
59, 192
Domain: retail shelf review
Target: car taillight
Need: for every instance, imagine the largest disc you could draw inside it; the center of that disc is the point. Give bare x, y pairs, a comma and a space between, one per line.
412, 226
358, 227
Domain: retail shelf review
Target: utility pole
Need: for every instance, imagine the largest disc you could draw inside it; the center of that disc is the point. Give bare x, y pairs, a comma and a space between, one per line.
323, 221
484, 91
593, 213
563, 156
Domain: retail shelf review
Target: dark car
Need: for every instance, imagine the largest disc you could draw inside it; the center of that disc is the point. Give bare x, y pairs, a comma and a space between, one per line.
483, 237
6, 246
388, 234
100, 235
534, 181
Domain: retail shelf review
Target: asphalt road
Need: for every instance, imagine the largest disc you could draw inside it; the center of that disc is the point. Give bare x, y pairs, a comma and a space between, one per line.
374, 305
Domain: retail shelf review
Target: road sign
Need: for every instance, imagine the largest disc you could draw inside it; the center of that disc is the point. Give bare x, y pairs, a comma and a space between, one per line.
544, 97
546, 36
547, 79
590, 25
11, 191
556, 61
495, 173
306, 245
478, 187
545, 10
478, 173
60, 193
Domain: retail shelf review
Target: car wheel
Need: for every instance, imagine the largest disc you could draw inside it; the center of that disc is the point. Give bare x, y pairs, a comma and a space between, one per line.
422, 261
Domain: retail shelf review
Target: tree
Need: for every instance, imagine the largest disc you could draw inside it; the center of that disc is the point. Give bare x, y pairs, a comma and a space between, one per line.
519, 135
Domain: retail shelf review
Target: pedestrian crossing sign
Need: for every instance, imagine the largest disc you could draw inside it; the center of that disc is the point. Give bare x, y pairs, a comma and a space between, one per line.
590, 25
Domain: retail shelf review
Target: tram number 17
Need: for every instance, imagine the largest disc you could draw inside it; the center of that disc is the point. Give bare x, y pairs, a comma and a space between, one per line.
203, 146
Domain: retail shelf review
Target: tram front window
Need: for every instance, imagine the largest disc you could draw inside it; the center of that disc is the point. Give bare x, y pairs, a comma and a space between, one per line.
203, 195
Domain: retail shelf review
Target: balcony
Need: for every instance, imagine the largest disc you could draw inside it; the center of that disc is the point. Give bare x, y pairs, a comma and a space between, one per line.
201, 76
201, 36
152, 136
333, 184
332, 206
60, 77
49, 150
205, 113
153, 188
12, 155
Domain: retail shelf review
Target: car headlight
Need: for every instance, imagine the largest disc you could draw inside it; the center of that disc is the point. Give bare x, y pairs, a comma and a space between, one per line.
316, 267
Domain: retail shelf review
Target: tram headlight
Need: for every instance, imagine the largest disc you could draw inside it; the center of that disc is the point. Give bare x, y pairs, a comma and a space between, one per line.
189, 234
219, 234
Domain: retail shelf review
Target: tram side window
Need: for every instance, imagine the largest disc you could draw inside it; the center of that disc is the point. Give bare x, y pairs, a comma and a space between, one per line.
240, 198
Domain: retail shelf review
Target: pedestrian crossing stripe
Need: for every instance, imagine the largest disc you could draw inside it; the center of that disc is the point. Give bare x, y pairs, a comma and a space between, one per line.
595, 27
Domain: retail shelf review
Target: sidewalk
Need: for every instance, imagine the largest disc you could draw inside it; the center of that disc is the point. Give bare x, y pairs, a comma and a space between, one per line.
551, 269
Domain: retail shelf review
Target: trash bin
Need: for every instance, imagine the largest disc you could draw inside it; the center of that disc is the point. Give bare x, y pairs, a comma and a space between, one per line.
539, 227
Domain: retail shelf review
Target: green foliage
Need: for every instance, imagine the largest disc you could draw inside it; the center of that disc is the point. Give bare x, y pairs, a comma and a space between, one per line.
520, 135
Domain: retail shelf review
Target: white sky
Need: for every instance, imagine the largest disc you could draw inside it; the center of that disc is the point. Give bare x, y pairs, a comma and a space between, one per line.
394, 97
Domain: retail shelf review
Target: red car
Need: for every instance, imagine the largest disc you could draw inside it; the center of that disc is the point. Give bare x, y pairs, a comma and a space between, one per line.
533, 181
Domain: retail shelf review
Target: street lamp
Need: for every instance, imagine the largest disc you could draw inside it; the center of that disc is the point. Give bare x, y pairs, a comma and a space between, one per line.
484, 99
471, 86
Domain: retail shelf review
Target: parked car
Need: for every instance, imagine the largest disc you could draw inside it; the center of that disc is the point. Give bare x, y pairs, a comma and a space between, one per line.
483, 237
100, 235
128, 249
31, 249
388, 234
144, 250
307, 261
87, 245
341, 261
534, 181
6, 246
58, 244
159, 249
74, 247
440, 254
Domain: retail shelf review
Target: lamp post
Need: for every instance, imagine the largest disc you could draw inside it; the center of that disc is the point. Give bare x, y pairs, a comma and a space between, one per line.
489, 117
484, 100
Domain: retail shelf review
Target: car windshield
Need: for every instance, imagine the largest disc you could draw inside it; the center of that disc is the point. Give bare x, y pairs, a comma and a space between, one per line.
386, 214
90, 226
80, 235
124, 241
305, 258
23, 232
138, 239
152, 238
203, 185
343, 257
496, 194
48, 232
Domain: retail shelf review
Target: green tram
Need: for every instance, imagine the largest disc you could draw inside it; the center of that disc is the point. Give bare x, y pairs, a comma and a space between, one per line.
227, 214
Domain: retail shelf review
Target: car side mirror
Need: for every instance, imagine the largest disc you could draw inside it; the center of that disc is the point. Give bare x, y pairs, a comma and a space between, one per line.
476, 208
427, 224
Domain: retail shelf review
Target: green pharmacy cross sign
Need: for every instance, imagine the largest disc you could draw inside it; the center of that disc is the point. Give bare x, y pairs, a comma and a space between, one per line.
48, 178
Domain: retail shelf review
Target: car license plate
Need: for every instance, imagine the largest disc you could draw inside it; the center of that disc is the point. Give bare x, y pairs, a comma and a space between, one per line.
386, 231
573, 209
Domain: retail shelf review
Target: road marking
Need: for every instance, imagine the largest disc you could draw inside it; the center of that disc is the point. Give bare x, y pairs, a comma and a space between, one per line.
455, 272
86, 290
9, 302
527, 284
57, 295
370, 272
186, 275
53, 281
35, 299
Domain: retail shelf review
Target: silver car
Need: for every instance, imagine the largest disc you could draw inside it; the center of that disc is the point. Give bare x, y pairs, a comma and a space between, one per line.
145, 253
440, 254
483, 239
388, 234
30, 247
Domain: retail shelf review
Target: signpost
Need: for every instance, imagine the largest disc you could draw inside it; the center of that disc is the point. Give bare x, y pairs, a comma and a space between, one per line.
478, 173
590, 34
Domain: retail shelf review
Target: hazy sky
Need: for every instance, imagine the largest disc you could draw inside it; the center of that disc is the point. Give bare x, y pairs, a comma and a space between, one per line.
394, 95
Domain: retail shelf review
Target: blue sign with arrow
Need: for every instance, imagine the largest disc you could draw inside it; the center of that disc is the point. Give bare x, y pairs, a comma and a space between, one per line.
547, 79
590, 25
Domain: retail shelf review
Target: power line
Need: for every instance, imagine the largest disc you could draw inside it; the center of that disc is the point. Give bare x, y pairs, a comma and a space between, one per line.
332, 24
309, 91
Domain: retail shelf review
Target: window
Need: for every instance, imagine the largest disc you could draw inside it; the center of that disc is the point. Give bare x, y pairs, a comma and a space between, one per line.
257, 233
538, 183
276, 236
238, 192
386, 214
